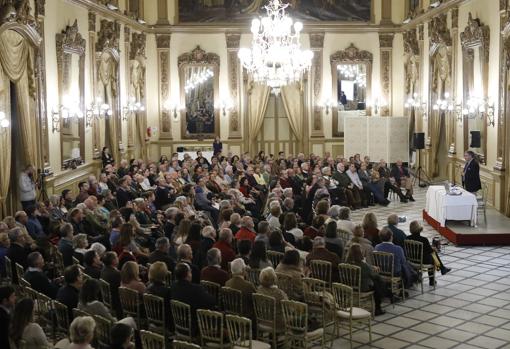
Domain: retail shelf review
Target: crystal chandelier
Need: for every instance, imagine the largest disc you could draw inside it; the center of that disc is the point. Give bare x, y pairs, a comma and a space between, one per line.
353, 72
197, 76
276, 57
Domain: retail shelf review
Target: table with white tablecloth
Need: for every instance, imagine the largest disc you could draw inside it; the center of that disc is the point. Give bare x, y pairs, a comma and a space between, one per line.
442, 207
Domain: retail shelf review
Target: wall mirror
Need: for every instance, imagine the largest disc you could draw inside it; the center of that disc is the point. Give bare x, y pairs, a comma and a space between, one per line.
475, 68
351, 71
71, 89
199, 91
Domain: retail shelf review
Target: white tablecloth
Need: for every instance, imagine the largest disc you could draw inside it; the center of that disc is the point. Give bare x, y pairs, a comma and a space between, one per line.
442, 207
206, 154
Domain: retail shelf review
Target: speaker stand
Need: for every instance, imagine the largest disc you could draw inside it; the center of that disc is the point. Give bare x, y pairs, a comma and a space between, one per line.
421, 174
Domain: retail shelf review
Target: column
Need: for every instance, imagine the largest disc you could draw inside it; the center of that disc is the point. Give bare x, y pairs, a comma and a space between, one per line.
96, 136
386, 48
234, 124
165, 118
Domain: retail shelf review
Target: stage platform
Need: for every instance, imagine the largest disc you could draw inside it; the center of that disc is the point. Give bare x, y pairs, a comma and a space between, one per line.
496, 231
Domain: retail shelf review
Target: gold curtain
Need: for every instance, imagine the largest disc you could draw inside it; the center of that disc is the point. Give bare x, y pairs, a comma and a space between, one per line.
141, 126
435, 130
293, 105
16, 66
5, 143
259, 98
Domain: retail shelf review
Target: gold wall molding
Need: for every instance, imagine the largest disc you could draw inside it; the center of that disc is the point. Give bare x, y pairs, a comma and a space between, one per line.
386, 69
165, 119
317, 46
234, 126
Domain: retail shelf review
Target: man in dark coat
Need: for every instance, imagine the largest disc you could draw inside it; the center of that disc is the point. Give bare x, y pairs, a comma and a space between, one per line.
471, 173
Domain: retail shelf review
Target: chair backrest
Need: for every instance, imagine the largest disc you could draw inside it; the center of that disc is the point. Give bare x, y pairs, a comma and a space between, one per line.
61, 316
295, 317
44, 307
181, 313
152, 340
414, 251
106, 293
177, 344
76, 261
212, 288
168, 279
239, 331
285, 283
384, 261
265, 310
155, 311
210, 324
321, 270
8, 268
59, 261
343, 297
232, 300
78, 312
275, 257
19, 271
24, 283
344, 235
130, 301
350, 275
103, 329
313, 290
252, 275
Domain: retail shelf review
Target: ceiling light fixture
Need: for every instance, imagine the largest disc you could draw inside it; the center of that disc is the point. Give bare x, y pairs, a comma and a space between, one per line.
276, 57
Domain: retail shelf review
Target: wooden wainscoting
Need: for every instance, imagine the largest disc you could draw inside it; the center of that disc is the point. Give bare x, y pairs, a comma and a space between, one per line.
69, 179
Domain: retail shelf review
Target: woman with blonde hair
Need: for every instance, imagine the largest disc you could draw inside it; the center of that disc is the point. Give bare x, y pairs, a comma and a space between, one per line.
369, 224
182, 232
130, 277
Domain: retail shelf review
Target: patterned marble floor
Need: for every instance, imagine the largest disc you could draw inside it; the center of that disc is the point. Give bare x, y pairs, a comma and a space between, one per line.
470, 307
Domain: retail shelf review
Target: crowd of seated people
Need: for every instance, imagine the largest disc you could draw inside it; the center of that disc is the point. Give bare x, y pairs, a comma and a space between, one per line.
201, 220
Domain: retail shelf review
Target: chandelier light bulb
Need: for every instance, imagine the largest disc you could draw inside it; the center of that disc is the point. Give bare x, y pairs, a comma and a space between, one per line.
4, 123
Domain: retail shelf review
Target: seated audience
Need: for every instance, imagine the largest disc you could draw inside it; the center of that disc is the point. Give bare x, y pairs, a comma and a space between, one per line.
92, 263
333, 242
292, 266
365, 245
81, 334
69, 293
161, 253
213, 271
398, 235
430, 256
185, 255
121, 337
90, 300
370, 280
268, 287
23, 328
37, 278
7, 303
238, 282
130, 277
370, 228
320, 252
224, 244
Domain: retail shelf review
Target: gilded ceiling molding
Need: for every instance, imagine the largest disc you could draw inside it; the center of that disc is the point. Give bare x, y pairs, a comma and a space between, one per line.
198, 56
165, 118
233, 41
70, 40
108, 36
317, 46
351, 54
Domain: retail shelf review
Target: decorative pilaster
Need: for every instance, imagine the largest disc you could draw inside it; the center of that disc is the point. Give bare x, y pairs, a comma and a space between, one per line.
96, 136
504, 64
130, 120
451, 128
41, 80
317, 46
386, 48
165, 119
234, 125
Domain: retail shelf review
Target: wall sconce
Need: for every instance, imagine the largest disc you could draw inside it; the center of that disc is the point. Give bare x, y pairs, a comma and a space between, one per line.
132, 107
69, 109
414, 103
326, 104
479, 107
174, 108
4, 123
225, 105
96, 111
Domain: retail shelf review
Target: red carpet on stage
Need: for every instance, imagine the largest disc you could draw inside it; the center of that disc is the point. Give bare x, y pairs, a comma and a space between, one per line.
461, 234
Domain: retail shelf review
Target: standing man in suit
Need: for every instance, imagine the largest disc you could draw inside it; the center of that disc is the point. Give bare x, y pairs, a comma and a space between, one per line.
471, 173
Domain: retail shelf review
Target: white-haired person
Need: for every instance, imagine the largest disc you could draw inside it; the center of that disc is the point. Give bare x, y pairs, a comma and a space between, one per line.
268, 287
238, 282
81, 334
